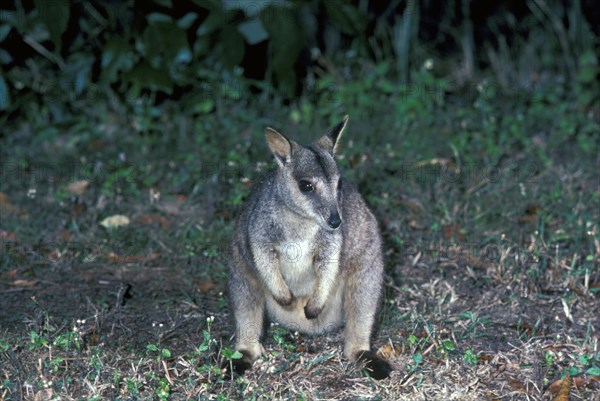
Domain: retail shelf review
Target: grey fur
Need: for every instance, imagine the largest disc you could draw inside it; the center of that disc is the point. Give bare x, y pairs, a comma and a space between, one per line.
292, 258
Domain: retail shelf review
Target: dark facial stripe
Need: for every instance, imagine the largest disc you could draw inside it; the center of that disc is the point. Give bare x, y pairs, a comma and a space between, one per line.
325, 164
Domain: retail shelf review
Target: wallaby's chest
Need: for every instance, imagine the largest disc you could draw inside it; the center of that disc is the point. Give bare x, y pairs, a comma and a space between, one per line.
296, 254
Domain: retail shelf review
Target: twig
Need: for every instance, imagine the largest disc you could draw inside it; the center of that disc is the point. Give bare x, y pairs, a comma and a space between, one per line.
44, 52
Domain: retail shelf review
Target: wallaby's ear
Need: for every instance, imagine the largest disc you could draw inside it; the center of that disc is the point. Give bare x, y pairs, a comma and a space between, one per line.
279, 145
330, 140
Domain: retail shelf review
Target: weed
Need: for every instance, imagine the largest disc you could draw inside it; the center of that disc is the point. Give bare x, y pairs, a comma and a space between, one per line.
470, 357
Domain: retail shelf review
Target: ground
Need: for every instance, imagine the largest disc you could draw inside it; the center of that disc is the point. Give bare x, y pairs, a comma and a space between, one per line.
492, 246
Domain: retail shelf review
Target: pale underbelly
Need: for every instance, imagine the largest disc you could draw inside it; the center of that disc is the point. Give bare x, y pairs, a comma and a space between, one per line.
293, 318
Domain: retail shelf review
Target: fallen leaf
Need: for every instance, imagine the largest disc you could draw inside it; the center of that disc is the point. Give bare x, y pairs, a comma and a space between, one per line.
148, 219
96, 145
10, 274
133, 258
206, 286
5, 206
389, 350
54, 256
118, 220
8, 235
565, 389
172, 205
78, 207
223, 213
78, 187
44, 395
523, 327
531, 214
491, 396
93, 339
24, 283
415, 225
413, 205
567, 310
65, 235
517, 385
452, 231
450, 165
583, 381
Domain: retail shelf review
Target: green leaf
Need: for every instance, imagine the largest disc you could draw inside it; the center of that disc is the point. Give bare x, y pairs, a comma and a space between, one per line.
117, 56
448, 345
164, 3
236, 355
158, 17
215, 21
54, 14
285, 44
164, 43
151, 347
593, 371
345, 16
143, 76
229, 354
418, 358
4, 94
166, 353
4, 31
231, 50
253, 31
187, 20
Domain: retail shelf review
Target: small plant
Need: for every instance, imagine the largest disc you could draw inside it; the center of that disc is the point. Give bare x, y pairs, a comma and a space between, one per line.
470, 357
37, 341
231, 355
590, 363
549, 358
55, 363
68, 341
280, 336
418, 361
163, 391
162, 353
206, 337
133, 386
447, 347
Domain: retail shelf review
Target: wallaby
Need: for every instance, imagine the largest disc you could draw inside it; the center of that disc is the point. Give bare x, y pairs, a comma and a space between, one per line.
307, 250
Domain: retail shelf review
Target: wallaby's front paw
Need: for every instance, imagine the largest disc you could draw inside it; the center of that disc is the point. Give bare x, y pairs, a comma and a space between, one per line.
284, 298
312, 309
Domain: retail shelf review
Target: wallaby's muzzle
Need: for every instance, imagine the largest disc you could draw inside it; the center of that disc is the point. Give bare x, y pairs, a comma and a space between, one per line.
334, 220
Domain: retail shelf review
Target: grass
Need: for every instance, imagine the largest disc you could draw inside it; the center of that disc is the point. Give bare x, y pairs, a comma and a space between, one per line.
489, 208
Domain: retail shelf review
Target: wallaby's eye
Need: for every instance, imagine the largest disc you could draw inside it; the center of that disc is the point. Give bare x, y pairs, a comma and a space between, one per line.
306, 186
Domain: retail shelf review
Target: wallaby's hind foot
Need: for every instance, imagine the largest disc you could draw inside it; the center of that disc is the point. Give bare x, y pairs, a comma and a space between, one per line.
377, 367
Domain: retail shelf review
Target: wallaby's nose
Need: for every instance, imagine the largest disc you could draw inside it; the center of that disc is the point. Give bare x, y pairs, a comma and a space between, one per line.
334, 220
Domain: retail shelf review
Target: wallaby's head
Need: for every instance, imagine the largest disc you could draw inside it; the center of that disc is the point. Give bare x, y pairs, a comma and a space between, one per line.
308, 178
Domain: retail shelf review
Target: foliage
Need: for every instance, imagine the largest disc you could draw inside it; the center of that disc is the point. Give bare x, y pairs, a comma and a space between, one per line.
59, 56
